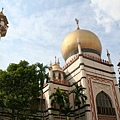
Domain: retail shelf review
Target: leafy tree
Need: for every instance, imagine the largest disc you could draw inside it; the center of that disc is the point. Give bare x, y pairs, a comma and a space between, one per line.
61, 99
19, 86
80, 97
42, 77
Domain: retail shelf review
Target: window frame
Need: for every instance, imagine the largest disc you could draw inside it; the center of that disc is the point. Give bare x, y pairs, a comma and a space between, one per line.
104, 104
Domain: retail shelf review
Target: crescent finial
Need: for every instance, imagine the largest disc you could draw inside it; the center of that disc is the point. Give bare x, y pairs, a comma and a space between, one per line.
77, 22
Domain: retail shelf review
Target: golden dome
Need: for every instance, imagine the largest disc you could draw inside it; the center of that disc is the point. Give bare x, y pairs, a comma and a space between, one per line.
56, 67
88, 40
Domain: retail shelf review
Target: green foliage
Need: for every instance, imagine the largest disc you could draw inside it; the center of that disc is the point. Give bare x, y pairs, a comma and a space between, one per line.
66, 110
61, 98
42, 77
80, 97
41, 74
19, 85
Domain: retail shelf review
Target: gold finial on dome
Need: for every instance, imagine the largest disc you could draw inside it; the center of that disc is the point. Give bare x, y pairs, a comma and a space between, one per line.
77, 22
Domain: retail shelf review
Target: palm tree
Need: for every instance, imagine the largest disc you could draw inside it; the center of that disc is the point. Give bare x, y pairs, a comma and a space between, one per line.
80, 97
66, 110
61, 99
42, 78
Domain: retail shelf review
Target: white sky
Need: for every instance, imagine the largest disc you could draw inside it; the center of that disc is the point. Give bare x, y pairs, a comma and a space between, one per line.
38, 27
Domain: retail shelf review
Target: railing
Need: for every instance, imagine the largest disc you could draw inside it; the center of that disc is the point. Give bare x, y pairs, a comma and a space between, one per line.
106, 111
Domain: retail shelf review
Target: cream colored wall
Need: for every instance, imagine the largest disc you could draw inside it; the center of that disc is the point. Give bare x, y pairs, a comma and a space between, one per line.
46, 96
51, 89
98, 86
56, 74
79, 73
98, 65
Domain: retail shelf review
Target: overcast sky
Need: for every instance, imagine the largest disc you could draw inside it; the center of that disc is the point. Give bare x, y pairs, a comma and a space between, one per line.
38, 27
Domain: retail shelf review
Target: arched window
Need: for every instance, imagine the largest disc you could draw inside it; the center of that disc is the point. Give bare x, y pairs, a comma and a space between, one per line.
59, 77
104, 104
53, 75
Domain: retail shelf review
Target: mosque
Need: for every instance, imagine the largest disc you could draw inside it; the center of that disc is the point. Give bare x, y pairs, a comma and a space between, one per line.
81, 50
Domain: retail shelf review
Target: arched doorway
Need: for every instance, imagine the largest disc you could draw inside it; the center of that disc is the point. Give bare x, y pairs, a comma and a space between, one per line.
105, 108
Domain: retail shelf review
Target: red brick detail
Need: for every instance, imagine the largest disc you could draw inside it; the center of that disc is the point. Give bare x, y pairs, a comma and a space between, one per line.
64, 82
92, 100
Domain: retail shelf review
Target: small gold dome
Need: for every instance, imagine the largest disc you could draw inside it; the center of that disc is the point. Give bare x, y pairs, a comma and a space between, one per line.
88, 40
56, 67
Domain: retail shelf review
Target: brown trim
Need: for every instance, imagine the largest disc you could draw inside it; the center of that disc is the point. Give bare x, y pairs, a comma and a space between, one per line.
85, 70
83, 50
59, 83
45, 91
92, 104
90, 51
75, 69
99, 69
71, 54
108, 64
100, 74
89, 67
68, 85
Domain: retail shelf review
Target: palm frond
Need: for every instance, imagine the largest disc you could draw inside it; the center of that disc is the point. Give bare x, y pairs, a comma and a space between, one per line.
80, 97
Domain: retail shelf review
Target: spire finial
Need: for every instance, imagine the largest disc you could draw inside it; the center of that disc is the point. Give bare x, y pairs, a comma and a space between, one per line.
107, 52
77, 22
119, 61
50, 63
108, 55
55, 59
58, 62
2, 10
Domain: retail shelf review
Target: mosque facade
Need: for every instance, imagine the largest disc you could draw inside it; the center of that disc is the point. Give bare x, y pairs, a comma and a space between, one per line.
81, 50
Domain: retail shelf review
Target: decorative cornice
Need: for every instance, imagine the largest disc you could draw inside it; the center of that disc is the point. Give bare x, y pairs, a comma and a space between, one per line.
96, 59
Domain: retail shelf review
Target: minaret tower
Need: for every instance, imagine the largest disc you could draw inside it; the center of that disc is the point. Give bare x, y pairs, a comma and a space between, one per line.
3, 24
109, 59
